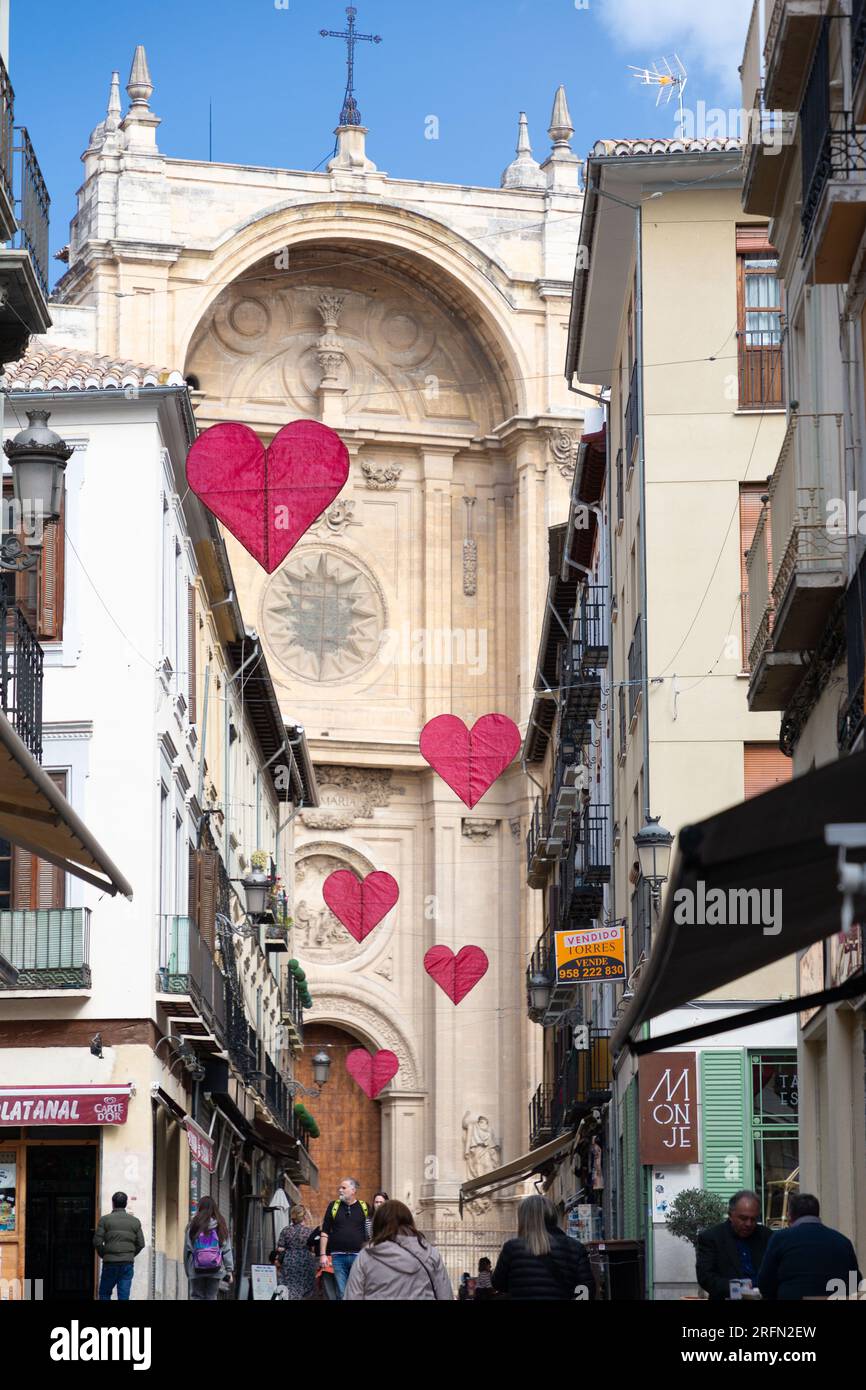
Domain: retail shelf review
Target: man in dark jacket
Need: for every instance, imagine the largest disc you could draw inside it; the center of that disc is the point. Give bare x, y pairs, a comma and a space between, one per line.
809, 1260
118, 1239
734, 1249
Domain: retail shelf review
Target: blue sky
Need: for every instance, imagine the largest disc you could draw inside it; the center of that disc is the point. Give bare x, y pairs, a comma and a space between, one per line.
277, 87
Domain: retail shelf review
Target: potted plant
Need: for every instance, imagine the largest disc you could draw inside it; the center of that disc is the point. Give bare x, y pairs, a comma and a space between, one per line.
692, 1211
258, 883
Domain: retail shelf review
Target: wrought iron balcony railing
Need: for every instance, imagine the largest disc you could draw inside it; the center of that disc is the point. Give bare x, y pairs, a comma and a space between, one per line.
7, 131
48, 947
592, 627
540, 1116
620, 506
291, 1010
841, 155
584, 1081
186, 967
279, 1097
32, 203
21, 677
852, 720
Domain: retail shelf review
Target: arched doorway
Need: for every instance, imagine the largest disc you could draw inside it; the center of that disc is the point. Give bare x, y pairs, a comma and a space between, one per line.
350, 1145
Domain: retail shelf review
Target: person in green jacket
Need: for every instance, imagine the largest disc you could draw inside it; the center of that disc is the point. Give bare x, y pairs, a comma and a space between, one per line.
118, 1239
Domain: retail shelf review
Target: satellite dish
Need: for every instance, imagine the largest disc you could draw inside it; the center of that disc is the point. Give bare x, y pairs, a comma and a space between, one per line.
668, 75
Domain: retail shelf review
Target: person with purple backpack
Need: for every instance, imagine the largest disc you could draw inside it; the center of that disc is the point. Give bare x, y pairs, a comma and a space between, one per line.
207, 1252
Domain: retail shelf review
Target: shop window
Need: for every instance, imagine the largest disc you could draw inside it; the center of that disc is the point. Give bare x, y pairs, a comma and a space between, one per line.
775, 1130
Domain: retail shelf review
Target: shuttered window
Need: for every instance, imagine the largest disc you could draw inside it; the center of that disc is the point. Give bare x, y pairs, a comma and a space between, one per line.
759, 321
39, 592
725, 1142
764, 766
750, 513
35, 882
631, 1174
191, 654
203, 885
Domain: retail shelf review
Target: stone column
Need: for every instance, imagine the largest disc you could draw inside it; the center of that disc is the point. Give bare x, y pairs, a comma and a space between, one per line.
403, 1157
530, 559
438, 573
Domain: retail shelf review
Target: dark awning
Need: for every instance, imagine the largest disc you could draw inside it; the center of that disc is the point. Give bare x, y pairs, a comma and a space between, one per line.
773, 842
518, 1170
36, 815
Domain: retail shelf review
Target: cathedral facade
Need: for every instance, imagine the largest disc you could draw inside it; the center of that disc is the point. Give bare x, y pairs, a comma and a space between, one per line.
426, 323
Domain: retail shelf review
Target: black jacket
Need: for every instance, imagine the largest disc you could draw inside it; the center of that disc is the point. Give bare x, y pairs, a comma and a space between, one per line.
718, 1258
802, 1262
555, 1276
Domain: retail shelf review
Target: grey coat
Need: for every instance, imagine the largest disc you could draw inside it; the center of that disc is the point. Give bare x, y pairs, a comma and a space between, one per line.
227, 1266
398, 1270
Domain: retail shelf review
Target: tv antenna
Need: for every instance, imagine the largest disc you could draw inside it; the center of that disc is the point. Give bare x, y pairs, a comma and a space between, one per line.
669, 75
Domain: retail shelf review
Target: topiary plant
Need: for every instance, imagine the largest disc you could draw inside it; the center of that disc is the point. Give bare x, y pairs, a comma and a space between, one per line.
693, 1210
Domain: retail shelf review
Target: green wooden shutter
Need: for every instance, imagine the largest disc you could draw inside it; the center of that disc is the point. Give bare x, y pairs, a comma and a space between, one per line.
725, 1150
630, 1168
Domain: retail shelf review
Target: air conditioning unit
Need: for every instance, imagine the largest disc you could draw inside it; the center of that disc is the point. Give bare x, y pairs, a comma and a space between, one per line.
567, 800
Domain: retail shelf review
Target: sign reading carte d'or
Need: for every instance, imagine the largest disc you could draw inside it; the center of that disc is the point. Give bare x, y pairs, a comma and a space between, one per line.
667, 1087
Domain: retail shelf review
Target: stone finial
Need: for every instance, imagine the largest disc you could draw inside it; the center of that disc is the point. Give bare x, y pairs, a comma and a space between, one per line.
351, 152
139, 87
561, 129
524, 171
112, 115
562, 166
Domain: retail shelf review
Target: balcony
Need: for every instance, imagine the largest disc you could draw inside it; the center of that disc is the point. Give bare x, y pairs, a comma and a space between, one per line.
806, 565
760, 370
8, 220
48, 948
540, 1116
767, 154
21, 677
585, 869
640, 937
632, 420
635, 672
539, 854
276, 937
834, 201
24, 204
543, 962
792, 33
592, 628
852, 720
584, 1082
858, 39
279, 1098
190, 987
291, 1011
580, 661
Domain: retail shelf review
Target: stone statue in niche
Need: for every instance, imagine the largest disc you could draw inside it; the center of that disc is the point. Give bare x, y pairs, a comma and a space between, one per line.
480, 1148
319, 925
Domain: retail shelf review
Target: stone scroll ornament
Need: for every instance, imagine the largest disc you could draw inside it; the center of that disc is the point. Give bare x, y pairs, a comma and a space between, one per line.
360, 903
269, 497
372, 1071
456, 975
469, 760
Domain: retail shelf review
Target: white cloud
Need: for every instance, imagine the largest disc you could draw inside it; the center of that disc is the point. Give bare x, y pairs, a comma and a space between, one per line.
706, 33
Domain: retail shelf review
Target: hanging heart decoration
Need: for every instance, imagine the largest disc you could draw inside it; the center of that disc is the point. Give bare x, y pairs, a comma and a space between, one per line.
372, 1071
360, 903
459, 974
269, 497
469, 760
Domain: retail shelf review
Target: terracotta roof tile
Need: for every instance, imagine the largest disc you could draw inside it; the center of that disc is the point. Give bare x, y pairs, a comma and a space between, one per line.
49, 366
623, 148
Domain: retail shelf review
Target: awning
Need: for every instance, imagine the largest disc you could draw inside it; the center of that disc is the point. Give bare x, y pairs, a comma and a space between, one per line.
517, 1170
65, 1105
36, 816
772, 843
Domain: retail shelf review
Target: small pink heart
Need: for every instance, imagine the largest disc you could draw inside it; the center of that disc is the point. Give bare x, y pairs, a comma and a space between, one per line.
360, 903
372, 1071
469, 761
456, 975
269, 497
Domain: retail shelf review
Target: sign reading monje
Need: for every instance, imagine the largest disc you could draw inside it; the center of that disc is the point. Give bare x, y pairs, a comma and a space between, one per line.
667, 1086
595, 954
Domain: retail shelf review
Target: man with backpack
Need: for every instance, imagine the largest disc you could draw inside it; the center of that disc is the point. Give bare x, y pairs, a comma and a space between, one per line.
118, 1239
344, 1231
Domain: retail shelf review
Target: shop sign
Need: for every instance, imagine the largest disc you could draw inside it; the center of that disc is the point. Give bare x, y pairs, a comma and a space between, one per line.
200, 1144
585, 956
64, 1105
668, 1108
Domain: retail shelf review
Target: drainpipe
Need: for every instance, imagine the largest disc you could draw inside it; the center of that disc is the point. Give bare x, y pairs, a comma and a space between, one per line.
643, 513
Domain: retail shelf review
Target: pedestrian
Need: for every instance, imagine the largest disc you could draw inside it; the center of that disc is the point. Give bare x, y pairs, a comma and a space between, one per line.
379, 1199
296, 1265
809, 1259
542, 1262
207, 1252
484, 1283
344, 1230
117, 1241
734, 1249
398, 1265
466, 1291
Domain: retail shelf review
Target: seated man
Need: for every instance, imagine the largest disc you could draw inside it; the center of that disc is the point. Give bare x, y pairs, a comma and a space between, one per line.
734, 1249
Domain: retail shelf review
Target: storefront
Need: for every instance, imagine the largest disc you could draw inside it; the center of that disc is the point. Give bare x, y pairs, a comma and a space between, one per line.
50, 1155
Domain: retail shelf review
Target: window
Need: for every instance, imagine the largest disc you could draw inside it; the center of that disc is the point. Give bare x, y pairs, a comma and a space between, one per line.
751, 507
27, 882
759, 321
39, 592
764, 766
775, 1128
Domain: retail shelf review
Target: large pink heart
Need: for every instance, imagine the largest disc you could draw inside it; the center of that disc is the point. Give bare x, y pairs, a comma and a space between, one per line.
372, 1071
269, 497
469, 761
360, 903
456, 975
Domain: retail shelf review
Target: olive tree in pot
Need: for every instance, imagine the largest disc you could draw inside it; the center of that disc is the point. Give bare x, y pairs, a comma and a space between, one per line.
692, 1211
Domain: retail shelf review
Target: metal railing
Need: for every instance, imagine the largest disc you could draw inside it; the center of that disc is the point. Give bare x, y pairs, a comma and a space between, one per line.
279, 1097
852, 719
841, 155
49, 947
641, 924
632, 418
858, 37
540, 1121
32, 202
7, 131
758, 616
592, 626
760, 369
585, 1080
635, 669
290, 1005
186, 966
810, 472
815, 127
21, 677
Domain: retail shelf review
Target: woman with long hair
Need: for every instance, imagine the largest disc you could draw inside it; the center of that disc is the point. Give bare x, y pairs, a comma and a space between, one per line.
398, 1264
296, 1265
207, 1252
379, 1200
543, 1262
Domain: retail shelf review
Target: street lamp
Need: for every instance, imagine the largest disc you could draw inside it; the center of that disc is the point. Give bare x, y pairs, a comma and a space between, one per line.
38, 458
653, 845
257, 889
321, 1068
540, 990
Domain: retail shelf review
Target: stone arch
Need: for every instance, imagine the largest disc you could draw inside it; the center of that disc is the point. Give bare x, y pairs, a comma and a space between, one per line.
469, 281
360, 1013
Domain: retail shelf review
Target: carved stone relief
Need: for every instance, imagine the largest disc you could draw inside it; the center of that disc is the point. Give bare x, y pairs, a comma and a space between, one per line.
478, 829
323, 615
564, 445
349, 794
318, 934
381, 479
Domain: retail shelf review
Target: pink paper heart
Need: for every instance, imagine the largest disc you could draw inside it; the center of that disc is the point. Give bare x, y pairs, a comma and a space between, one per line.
469, 760
269, 497
456, 975
360, 904
372, 1071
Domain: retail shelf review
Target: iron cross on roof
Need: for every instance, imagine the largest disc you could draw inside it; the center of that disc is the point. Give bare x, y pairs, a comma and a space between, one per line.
350, 115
